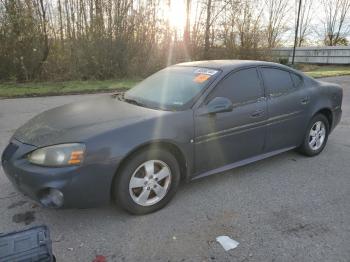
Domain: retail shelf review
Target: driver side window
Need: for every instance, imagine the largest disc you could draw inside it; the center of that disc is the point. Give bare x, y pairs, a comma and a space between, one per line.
240, 87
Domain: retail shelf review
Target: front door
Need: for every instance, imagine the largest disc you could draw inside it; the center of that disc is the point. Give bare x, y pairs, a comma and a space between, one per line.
228, 137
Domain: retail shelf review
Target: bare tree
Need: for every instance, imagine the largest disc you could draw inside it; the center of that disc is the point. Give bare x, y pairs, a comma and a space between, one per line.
187, 24
196, 34
101, 39
335, 30
60, 20
207, 29
277, 15
46, 48
213, 10
248, 25
305, 21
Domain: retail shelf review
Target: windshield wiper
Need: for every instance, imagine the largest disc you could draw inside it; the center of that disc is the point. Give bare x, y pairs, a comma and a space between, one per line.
121, 97
134, 102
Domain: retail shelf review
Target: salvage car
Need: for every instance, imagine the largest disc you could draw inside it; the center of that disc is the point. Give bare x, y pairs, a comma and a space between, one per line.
184, 122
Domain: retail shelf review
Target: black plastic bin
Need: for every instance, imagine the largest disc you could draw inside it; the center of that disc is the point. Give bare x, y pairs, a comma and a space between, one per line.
30, 245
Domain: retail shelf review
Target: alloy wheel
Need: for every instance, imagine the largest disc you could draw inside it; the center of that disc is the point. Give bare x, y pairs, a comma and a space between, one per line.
317, 135
150, 182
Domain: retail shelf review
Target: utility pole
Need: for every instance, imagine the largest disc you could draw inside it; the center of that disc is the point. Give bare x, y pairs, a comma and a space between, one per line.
296, 32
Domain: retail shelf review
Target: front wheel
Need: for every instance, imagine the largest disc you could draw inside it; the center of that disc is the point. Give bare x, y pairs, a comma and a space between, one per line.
147, 181
316, 136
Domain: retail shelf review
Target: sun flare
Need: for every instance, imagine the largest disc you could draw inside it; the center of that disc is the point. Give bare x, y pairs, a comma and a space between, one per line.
177, 15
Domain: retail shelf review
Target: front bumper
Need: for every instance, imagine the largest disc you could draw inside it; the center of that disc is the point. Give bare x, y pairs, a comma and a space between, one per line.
82, 186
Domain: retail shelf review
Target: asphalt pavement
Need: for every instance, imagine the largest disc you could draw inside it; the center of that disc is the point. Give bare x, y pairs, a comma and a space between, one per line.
285, 208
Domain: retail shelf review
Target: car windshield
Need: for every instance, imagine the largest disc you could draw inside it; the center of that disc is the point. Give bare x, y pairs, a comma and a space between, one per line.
171, 88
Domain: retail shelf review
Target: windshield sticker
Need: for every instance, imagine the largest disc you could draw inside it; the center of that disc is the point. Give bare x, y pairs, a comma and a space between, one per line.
201, 78
205, 71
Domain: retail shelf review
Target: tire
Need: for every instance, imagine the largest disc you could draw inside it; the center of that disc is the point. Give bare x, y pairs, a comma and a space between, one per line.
309, 146
134, 181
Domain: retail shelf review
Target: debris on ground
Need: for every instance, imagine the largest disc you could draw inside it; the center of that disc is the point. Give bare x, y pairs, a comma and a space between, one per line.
100, 259
227, 243
59, 238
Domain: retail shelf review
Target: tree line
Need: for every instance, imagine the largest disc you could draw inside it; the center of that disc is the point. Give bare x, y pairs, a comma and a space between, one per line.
105, 39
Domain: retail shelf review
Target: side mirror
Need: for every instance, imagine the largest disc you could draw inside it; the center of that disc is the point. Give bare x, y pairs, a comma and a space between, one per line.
218, 105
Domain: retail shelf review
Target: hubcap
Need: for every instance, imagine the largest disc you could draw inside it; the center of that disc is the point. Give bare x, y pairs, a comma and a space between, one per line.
150, 182
317, 135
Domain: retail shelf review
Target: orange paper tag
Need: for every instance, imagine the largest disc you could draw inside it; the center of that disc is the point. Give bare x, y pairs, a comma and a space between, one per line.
201, 78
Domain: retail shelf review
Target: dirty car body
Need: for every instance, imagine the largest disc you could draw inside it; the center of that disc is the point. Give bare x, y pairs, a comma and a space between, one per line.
270, 114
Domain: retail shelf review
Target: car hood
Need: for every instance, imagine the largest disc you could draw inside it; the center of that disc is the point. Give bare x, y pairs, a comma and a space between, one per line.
79, 121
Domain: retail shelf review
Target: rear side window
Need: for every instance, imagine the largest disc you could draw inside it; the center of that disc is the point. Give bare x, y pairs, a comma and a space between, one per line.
241, 86
297, 80
277, 81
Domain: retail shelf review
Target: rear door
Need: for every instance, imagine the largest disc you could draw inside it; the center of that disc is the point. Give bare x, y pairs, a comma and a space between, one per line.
229, 137
287, 102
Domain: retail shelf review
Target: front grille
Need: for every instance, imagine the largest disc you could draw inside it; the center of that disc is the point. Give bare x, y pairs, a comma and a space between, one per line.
9, 151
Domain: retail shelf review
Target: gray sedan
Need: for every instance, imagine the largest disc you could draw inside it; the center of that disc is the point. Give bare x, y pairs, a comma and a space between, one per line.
184, 122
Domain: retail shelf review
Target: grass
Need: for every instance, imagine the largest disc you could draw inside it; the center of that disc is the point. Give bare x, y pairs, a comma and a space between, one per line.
8, 90
62, 88
325, 71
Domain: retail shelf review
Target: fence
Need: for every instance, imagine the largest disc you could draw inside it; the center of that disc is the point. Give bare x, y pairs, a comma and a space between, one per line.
315, 55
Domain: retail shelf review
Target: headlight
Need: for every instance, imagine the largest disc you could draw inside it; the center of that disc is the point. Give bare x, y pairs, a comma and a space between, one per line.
58, 155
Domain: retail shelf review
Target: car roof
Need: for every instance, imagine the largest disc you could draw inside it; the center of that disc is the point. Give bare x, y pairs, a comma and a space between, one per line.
228, 65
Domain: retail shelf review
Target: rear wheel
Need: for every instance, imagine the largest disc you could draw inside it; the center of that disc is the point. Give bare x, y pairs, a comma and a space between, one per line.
316, 136
147, 182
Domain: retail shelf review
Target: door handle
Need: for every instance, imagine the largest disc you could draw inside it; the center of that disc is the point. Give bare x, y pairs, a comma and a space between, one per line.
257, 113
305, 100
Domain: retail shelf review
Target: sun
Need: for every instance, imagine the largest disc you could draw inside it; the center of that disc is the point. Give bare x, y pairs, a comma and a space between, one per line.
177, 15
